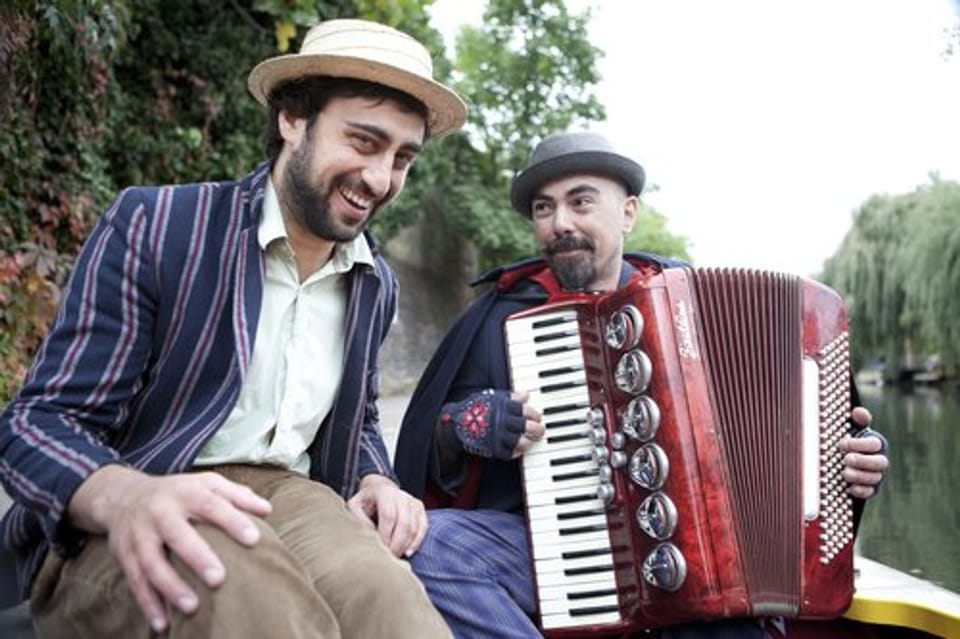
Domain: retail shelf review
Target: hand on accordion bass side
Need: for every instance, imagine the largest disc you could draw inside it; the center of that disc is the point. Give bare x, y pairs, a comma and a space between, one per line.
865, 459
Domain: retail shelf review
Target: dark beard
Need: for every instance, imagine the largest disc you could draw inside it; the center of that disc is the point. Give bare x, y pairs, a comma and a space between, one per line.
574, 274
310, 205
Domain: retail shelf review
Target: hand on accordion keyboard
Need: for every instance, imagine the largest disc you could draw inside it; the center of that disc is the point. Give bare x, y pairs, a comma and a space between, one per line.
865, 459
493, 423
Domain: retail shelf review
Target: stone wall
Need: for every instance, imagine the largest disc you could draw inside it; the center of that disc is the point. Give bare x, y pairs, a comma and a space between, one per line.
434, 273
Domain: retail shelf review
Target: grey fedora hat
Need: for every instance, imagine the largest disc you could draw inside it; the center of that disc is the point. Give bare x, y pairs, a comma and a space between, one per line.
564, 154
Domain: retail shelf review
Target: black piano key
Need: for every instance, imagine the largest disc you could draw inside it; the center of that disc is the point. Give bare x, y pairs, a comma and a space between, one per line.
557, 439
572, 499
579, 530
549, 337
593, 610
572, 459
553, 321
587, 594
563, 408
553, 388
581, 513
588, 570
576, 475
553, 350
582, 554
570, 421
563, 370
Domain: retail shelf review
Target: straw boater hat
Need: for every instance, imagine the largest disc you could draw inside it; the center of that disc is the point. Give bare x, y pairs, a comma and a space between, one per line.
365, 51
566, 154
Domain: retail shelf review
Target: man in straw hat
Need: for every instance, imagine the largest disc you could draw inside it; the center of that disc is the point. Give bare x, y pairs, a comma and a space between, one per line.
197, 450
464, 430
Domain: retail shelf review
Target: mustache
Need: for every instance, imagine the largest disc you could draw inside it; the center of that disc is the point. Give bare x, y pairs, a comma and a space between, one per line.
567, 243
359, 186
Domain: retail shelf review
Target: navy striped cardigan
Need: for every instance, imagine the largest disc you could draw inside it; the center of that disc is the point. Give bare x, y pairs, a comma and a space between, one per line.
148, 354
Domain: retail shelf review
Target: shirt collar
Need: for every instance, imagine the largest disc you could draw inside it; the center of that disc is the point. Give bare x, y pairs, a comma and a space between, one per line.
271, 228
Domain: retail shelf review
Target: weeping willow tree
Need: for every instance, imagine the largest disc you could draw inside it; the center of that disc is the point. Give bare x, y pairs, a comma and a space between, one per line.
899, 270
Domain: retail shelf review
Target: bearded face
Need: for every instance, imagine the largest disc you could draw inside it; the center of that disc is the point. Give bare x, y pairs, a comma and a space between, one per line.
309, 203
572, 260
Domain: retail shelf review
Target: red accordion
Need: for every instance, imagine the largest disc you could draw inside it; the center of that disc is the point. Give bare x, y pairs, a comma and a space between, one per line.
690, 468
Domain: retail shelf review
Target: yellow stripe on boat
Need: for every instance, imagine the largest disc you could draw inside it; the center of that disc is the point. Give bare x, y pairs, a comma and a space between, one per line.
894, 598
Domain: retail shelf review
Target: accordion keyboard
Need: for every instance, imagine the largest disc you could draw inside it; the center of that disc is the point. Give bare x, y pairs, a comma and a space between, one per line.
569, 534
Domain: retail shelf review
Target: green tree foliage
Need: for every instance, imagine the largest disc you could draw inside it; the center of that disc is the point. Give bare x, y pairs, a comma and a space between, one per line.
899, 270
96, 94
530, 70
650, 234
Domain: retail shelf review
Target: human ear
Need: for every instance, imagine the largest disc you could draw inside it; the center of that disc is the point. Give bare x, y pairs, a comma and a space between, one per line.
631, 211
291, 128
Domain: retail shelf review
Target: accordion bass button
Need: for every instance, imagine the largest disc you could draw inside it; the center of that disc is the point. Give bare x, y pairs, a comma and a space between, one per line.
618, 459
604, 473
600, 454
606, 492
595, 417
618, 441
598, 436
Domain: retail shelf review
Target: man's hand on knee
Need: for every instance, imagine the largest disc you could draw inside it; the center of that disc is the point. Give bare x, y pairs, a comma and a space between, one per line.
400, 518
144, 516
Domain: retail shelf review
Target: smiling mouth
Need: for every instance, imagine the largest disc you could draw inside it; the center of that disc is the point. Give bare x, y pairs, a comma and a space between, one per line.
356, 199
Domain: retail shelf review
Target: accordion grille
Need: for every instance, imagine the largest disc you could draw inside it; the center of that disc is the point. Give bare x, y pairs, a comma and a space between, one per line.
752, 352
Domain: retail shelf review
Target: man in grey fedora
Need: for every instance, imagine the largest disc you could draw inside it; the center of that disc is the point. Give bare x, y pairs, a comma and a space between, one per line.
196, 450
464, 432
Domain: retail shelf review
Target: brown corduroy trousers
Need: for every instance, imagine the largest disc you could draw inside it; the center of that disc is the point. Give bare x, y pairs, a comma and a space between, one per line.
317, 571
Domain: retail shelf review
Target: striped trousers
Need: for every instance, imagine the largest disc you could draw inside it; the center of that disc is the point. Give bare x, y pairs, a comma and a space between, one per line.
476, 568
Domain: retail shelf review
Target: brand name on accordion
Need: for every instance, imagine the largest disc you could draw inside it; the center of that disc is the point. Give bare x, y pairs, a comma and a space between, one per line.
681, 320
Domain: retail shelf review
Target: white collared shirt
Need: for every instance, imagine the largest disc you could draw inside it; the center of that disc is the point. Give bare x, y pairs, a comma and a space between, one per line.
297, 358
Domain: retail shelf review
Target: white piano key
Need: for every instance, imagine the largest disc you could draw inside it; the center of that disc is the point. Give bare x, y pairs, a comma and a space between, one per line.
562, 452
524, 363
565, 606
558, 621
571, 593
566, 437
550, 541
542, 491
547, 485
534, 380
560, 526
547, 551
576, 414
557, 312
527, 346
601, 564
547, 452
541, 400
531, 362
548, 511
559, 474
523, 326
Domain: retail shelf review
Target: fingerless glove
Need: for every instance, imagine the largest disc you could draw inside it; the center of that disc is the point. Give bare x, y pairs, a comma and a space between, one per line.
488, 423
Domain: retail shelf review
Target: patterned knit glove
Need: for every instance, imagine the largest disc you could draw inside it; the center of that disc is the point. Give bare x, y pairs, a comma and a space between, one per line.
488, 423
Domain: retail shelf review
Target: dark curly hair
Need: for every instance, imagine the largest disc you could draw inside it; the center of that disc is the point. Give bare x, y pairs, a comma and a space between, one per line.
306, 98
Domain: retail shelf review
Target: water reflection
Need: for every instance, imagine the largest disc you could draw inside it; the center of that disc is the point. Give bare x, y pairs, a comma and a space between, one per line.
914, 523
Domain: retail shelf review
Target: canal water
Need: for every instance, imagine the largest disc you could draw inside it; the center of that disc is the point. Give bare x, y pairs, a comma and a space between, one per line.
913, 524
